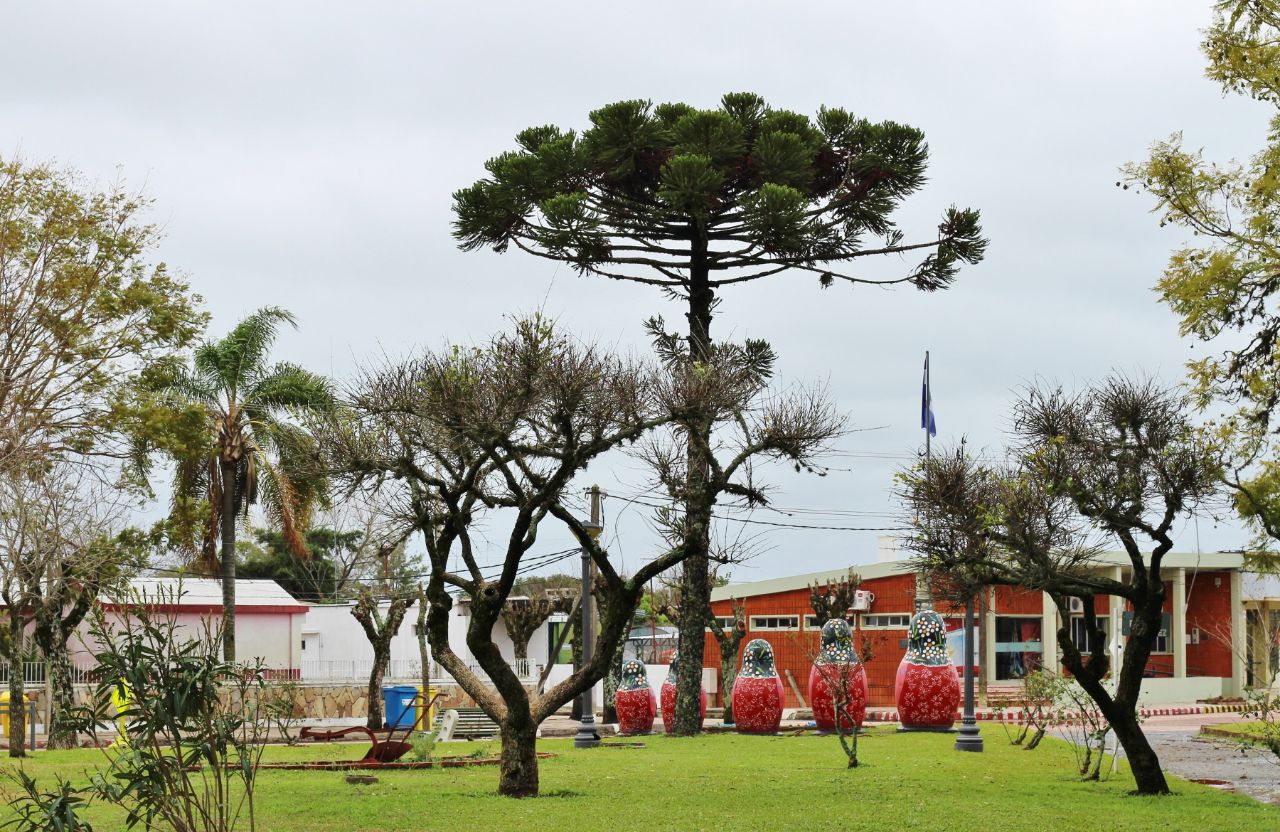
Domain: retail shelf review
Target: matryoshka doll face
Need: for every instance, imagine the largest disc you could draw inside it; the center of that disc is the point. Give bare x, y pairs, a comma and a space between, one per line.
633, 676
757, 659
837, 643
674, 667
927, 639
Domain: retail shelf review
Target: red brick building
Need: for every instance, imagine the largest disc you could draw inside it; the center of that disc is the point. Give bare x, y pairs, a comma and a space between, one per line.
1016, 628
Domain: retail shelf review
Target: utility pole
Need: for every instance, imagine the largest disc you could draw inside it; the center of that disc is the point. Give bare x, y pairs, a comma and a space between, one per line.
970, 738
587, 736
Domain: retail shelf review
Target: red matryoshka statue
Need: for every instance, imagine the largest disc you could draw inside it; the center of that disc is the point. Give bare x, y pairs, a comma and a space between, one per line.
757, 692
927, 688
634, 700
838, 674
669, 697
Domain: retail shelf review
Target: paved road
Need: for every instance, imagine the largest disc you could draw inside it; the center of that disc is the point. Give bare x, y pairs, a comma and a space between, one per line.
1184, 752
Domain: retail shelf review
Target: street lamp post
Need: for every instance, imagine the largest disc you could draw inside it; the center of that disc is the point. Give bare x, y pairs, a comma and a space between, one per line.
587, 736
970, 738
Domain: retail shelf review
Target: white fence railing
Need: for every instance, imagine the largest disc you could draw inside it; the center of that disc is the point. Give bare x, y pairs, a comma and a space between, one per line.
358, 670
36, 673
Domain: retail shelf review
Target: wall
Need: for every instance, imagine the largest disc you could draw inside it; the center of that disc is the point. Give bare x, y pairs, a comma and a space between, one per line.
332, 634
275, 637
794, 650
1209, 609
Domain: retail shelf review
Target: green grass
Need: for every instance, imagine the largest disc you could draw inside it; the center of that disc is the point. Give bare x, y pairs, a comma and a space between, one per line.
799, 784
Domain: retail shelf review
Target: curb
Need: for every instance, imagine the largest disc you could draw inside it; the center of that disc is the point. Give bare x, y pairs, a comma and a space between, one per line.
1020, 716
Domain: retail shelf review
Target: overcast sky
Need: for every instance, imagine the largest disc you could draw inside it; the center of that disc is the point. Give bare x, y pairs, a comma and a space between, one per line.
304, 154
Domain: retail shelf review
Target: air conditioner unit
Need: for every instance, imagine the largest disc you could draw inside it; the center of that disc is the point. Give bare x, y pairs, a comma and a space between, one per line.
1076, 604
862, 600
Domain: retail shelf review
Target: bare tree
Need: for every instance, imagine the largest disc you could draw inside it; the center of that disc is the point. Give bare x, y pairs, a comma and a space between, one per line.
1119, 463
60, 543
380, 627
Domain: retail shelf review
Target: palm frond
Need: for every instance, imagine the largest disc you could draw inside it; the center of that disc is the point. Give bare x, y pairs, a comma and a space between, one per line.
244, 349
289, 387
280, 501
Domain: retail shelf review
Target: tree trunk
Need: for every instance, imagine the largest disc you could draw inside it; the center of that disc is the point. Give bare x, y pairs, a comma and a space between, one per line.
228, 559
380, 659
519, 775
1143, 761
62, 732
17, 699
728, 673
609, 709
695, 585
51, 638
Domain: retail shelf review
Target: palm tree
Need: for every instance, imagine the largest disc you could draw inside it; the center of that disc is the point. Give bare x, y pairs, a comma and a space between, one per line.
255, 455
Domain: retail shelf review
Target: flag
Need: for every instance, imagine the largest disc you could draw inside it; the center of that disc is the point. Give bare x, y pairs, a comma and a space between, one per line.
926, 402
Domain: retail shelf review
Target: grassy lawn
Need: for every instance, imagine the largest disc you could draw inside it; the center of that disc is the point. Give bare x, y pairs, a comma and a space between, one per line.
909, 781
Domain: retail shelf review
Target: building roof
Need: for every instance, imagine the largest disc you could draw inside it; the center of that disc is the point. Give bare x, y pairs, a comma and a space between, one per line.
884, 569
184, 593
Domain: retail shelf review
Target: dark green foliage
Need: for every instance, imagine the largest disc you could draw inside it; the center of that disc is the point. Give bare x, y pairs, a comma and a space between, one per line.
767, 189
37, 810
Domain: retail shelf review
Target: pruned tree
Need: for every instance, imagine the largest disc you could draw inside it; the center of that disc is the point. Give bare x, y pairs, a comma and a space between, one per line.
834, 598
523, 616
1223, 284
496, 435
1117, 464
692, 201
380, 626
729, 640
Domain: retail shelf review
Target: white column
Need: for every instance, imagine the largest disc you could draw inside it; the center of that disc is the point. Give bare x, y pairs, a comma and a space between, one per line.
1049, 634
1115, 634
1237, 636
1178, 625
989, 635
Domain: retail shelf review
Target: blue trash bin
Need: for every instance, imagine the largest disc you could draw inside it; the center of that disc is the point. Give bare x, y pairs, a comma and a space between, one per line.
398, 707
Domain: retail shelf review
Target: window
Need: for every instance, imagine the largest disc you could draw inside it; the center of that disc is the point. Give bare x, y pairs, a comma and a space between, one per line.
811, 623
886, 622
726, 623
775, 622
1080, 633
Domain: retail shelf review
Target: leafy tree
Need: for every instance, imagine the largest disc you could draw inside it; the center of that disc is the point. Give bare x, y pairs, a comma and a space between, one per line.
1223, 284
692, 201
83, 316
337, 565
252, 452
1122, 461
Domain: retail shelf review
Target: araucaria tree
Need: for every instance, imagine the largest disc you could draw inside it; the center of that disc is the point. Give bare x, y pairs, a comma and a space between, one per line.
1223, 284
692, 201
252, 451
1119, 464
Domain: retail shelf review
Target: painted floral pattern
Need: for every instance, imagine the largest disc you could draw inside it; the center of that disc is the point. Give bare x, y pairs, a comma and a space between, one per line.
757, 692
634, 700
927, 688
837, 669
669, 697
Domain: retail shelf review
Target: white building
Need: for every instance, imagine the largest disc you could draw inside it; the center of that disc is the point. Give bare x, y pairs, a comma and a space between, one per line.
334, 645
269, 621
